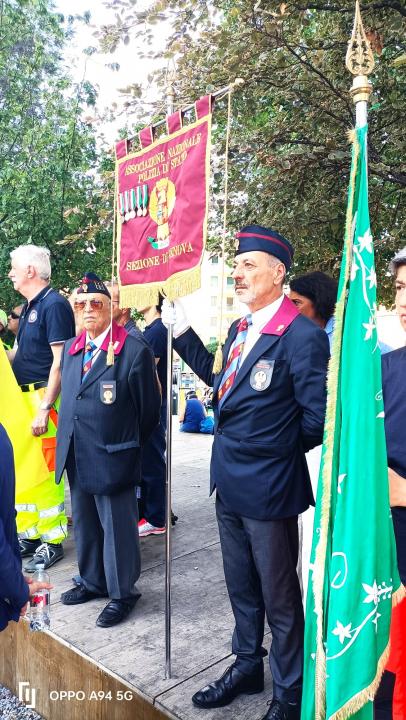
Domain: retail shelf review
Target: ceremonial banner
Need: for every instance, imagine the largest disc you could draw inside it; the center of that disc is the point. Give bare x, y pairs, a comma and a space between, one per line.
353, 580
30, 465
162, 205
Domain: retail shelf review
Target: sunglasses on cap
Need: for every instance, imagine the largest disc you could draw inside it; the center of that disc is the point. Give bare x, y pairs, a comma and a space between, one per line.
94, 304
14, 315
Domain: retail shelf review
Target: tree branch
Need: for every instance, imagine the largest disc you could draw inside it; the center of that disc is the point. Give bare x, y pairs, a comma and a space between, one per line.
383, 4
321, 75
390, 176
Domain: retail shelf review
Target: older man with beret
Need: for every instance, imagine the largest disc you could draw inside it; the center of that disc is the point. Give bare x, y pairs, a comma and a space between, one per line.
107, 412
269, 404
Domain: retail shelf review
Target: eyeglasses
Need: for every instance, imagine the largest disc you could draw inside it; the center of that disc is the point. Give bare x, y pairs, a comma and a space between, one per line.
14, 315
94, 304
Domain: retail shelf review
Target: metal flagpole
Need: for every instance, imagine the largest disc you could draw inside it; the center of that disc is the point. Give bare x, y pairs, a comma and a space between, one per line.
168, 475
170, 95
219, 94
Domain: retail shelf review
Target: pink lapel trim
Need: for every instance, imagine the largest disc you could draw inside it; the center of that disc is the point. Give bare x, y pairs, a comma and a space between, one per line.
120, 335
282, 319
78, 343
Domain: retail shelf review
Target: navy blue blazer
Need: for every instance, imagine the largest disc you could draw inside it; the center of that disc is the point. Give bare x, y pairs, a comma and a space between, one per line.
109, 415
393, 379
265, 427
13, 588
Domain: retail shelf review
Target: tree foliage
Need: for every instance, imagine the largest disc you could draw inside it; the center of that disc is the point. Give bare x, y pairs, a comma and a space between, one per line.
289, 150
50, 192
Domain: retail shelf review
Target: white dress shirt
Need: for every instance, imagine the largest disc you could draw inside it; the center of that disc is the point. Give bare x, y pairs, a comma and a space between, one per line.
259, 319
98, 341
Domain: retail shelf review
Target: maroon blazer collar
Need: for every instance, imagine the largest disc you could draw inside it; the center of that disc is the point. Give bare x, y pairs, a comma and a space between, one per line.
282, 318
119, 337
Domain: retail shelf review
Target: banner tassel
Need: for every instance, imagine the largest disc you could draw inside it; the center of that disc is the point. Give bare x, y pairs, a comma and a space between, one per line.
218, 360
110, 354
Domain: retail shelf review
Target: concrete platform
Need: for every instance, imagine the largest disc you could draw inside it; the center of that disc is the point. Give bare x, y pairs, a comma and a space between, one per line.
81, 658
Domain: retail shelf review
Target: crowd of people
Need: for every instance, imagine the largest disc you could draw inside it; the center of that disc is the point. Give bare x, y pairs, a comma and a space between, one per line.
95, 386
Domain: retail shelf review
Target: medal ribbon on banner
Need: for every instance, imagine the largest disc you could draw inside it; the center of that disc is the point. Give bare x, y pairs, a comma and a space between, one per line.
162, 207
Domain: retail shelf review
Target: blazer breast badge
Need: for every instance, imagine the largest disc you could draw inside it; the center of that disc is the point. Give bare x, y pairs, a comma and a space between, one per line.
261, 374
107, 391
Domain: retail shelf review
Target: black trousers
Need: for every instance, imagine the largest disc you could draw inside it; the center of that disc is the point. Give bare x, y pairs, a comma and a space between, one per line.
260, 558
383, 701
153, 488
106, 538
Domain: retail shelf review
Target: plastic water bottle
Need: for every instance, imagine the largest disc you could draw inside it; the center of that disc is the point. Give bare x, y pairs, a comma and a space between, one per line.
40, 602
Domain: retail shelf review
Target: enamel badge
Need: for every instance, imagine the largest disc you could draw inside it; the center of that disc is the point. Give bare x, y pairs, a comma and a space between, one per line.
108, 392
261, 374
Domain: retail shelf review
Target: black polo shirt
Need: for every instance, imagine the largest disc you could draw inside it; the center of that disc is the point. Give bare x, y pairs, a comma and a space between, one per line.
46, 320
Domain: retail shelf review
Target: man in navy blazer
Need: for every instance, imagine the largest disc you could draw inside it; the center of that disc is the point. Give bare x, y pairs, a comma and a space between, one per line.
14, 589
269, 404
107, 412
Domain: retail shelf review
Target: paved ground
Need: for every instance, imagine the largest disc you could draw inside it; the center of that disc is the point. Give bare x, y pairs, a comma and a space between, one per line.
12, 709
202, 621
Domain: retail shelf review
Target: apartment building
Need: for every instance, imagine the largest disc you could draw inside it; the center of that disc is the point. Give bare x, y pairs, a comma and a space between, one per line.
203, 306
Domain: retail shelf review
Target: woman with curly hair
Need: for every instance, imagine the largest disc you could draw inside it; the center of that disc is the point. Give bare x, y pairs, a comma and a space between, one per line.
315, 296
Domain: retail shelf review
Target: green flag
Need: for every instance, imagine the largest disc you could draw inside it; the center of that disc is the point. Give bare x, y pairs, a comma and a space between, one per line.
353, 577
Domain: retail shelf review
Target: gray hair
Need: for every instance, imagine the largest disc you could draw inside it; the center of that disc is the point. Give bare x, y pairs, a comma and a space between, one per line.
397, 262
36, 256
273, 260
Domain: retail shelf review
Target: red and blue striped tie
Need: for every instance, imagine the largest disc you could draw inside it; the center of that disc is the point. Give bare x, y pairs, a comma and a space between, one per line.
87, 358
234, 359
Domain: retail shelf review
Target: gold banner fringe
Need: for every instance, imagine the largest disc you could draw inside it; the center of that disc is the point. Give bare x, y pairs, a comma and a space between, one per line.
182, 284
142, 296
332, 387
367, 694
138, 296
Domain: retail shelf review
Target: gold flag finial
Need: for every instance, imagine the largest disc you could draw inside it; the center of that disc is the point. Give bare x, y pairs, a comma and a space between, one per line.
359, 59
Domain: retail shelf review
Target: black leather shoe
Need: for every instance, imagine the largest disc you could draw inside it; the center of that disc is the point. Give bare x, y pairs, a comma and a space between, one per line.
116, 611
282, 711
232, 683
77, 595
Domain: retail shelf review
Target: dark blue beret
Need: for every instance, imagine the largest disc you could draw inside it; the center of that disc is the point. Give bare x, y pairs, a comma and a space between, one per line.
257, 237
91, 283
